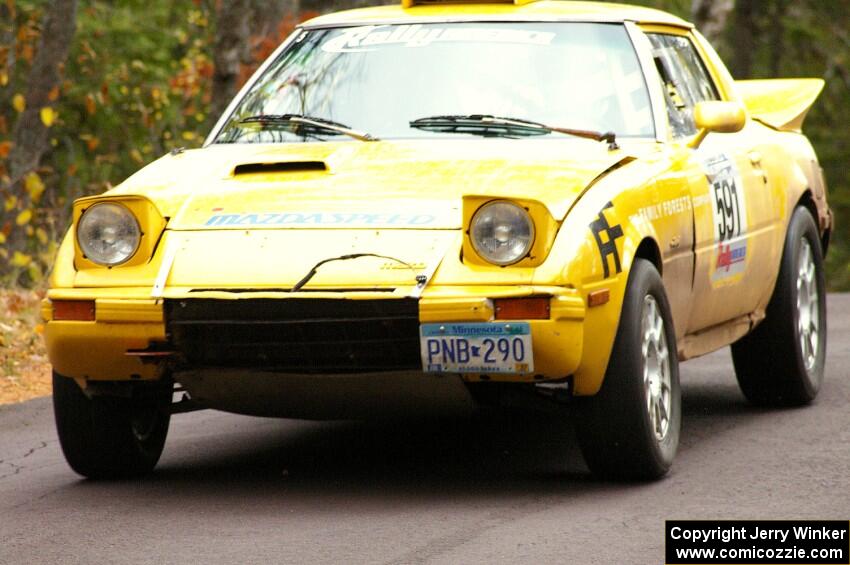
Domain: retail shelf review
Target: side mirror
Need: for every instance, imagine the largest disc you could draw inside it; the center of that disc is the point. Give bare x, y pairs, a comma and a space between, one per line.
720, 117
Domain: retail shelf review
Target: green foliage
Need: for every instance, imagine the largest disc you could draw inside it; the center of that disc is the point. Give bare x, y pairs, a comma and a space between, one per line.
135, 88
136, 84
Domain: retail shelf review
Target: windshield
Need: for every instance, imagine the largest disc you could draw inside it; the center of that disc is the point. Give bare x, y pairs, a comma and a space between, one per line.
377, 79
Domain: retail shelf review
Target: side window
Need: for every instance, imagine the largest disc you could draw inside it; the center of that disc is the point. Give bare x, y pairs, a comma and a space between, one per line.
684, 77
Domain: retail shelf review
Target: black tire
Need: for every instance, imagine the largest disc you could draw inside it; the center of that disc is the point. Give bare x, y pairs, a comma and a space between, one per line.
110, 437
770, 363
615, 429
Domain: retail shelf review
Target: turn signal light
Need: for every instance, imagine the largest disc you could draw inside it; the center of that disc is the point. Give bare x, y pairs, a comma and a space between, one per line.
598, 297
75, 310
536, 308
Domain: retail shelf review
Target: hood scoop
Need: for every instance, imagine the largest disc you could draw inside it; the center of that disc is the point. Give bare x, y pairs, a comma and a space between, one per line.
280, 167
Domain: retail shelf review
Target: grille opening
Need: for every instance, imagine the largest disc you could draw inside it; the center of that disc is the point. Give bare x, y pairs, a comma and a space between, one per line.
282, 167
296, 335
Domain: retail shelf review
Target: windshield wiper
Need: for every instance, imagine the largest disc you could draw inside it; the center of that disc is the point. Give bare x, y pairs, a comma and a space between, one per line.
307, 124
485, 124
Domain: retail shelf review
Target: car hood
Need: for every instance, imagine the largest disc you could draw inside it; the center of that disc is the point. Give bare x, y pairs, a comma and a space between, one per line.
389, 184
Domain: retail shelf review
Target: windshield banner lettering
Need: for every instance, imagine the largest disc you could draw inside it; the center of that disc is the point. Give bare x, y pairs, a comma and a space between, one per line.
367, 38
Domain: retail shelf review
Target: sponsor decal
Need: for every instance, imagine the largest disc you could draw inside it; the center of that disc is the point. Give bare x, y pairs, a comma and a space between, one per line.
606, 240
663, 209
731, 258
369, 38
729, 212
306, 219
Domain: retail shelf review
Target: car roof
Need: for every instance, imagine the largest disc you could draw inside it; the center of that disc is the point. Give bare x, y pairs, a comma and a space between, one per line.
422, 11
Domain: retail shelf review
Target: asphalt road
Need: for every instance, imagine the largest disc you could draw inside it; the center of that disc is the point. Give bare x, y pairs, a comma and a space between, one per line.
504, 489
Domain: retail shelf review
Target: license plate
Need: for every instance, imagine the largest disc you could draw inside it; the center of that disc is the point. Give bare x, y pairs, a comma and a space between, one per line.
476, 348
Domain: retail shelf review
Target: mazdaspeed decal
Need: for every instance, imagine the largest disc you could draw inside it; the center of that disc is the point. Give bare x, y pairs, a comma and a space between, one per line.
368, 38
608, 247
729, 212
319, 219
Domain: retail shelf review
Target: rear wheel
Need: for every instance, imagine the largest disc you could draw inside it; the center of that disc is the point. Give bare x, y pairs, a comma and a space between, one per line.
781, 363
108, 436
630, 428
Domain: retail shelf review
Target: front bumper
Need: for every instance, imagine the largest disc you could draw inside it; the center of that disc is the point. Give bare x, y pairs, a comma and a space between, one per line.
127, 324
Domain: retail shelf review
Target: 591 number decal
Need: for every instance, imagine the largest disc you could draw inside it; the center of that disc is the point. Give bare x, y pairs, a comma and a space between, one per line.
727, 198
728, 209
730, 217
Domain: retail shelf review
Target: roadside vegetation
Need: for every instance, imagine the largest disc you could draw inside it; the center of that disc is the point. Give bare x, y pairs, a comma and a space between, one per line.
92, 90
24, 371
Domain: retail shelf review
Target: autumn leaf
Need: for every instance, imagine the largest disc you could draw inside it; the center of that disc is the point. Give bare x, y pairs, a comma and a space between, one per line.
91, 141
4, 79
136, 156
48, 116
24, 217
21, 259
91, 106
34, 186
5, 148
2, 238
34, 271
41, 234
10, 203
27, 53
19, 103
53, 95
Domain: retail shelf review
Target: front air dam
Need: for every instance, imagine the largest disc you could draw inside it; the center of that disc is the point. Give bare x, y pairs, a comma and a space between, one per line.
328, 397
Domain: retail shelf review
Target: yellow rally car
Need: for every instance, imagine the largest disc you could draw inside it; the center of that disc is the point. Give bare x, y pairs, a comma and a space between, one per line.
450, 203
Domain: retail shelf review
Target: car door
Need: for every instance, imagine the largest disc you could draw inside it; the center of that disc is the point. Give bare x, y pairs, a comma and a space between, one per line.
735, 213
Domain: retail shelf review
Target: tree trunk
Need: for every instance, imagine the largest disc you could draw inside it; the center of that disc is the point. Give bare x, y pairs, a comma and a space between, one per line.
268, 14
324, 6
777, 37
7, 49
710, 17
232, 49
746, 33
30, 137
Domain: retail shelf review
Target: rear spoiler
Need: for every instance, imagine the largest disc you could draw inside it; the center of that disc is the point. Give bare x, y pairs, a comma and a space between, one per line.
780, 103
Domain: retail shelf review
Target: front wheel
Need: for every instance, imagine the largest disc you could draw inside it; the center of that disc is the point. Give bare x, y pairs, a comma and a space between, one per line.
781, 363
630, 428
107, 436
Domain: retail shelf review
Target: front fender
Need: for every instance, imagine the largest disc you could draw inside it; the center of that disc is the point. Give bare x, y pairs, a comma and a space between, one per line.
594, 252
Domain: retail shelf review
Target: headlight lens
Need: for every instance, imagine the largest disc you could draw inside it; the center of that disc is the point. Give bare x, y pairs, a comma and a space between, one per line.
501, 232
108, 234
